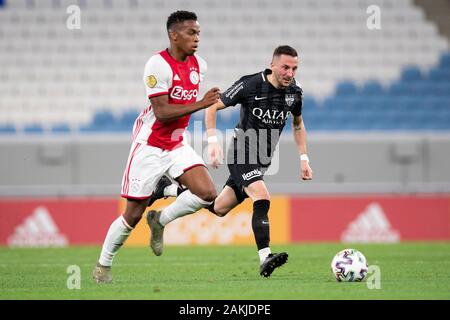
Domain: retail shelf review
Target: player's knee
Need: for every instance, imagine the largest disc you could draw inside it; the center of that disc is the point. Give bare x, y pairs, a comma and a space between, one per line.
258, 191
262, 196
133, 212
221, 212
132, 218
207, 195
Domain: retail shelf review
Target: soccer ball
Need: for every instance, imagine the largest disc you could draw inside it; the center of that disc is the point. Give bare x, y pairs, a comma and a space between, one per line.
349, 265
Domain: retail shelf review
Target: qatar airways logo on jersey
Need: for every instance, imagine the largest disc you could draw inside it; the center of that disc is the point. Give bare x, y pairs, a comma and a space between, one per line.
179, 93
271, 116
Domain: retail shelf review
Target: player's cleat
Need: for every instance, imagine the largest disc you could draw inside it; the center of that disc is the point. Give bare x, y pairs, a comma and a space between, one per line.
157, 230
273, 261
102, 274
159, 190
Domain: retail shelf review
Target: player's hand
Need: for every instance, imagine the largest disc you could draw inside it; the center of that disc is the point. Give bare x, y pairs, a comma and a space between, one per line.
211, 96
306, 170
215, 154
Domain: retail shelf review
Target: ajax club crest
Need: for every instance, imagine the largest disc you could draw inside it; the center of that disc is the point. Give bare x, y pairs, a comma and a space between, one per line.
194, 77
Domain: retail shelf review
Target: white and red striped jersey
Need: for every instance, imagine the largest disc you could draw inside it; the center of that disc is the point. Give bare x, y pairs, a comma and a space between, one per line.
180, 81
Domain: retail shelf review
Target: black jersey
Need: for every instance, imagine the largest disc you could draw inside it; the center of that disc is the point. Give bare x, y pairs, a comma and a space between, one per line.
264, 112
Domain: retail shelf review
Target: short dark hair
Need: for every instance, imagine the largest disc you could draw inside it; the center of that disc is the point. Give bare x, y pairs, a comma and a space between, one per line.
287, 50
180, 16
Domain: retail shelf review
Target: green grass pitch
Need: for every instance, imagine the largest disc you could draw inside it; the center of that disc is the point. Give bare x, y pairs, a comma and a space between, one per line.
408, 271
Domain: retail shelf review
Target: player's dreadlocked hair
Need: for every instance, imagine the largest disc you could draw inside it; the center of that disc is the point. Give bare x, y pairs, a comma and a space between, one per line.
287, 50
180, 16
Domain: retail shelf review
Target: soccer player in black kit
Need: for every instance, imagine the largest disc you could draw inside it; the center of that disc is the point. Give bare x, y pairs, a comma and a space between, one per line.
267, 99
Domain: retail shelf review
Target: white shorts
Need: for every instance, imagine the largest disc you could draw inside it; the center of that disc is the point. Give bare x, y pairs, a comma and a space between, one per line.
147, 164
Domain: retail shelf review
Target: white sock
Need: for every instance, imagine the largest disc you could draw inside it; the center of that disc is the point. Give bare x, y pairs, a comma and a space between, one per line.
117, 234
263, 253
186, 203
171, 191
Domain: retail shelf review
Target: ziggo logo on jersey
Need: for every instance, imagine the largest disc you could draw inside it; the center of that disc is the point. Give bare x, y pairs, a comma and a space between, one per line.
180, 94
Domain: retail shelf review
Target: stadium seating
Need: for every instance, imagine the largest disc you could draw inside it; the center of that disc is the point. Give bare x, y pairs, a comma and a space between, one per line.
57, 81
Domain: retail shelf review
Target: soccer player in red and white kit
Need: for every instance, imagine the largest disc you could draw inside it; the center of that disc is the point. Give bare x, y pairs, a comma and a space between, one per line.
172, 80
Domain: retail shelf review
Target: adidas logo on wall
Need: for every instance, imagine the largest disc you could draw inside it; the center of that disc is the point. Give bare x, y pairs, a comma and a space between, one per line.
371, 225
38, 230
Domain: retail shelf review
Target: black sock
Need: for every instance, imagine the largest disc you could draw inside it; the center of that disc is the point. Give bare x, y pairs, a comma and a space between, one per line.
260, 223
211, 207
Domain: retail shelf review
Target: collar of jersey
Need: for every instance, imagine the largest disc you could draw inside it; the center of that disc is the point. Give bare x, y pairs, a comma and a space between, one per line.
176, 61
265, 73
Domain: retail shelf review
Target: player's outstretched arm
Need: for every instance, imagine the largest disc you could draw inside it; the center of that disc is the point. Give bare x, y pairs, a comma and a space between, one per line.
165, 112
300, 140
215, 152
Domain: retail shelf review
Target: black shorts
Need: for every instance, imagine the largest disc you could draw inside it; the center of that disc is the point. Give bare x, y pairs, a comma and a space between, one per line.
241, 176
